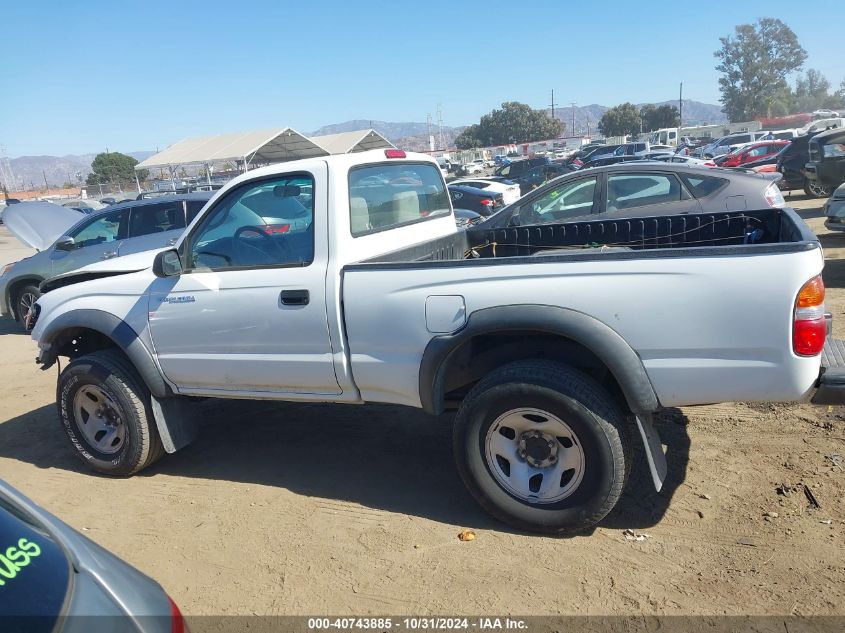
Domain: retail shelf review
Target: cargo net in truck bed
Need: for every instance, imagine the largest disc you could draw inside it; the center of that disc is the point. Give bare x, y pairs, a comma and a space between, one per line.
674, 231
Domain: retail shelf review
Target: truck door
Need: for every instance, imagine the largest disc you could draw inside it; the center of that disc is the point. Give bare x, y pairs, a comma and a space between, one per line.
248, 313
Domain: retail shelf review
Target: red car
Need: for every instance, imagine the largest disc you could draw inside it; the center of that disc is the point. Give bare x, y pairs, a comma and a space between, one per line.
752, 152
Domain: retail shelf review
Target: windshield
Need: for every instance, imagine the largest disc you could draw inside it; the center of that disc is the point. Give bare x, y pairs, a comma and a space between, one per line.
34, 570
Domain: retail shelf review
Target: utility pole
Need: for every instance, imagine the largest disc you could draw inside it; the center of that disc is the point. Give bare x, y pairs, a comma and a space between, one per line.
573, 118
439, 127
553, 103
46, 186
680, 112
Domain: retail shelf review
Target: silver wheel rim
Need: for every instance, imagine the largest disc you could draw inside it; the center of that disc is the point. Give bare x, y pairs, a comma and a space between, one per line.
26, 308
817, 189
98, 420
534, 455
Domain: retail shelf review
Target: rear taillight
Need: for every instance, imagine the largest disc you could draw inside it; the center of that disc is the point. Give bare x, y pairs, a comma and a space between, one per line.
487, 202
709, 163
809, 328
774, 198
177, 622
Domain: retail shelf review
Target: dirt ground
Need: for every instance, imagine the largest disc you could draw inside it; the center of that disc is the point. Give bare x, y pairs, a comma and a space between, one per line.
306, 509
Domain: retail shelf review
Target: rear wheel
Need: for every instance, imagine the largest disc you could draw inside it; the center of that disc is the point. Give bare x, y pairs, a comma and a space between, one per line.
542, 447
105, 411
25, 305
815, 189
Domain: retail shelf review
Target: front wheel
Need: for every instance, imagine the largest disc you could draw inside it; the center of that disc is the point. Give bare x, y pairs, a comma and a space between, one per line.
104, 408
542, 447
815, 189
25, 306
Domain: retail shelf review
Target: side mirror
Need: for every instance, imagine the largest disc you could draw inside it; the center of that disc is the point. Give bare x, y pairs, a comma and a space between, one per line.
65, 244
167, 264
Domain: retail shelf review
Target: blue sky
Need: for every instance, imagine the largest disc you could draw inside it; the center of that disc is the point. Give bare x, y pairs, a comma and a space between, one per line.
81, 76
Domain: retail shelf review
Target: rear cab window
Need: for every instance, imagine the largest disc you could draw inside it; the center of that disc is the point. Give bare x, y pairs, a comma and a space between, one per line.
389, 195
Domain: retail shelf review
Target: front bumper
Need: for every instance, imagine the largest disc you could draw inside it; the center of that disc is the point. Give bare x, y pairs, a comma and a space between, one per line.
831, 386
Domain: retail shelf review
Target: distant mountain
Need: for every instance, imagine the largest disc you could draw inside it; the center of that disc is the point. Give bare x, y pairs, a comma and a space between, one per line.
30, 171
587, 117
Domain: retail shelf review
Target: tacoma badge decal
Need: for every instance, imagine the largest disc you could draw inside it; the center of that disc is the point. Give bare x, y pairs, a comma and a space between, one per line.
179, 299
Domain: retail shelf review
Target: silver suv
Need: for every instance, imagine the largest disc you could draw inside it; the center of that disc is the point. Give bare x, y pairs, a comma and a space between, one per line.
121, 229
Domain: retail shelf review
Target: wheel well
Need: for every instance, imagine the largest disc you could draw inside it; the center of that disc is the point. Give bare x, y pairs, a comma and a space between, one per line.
78, 341
478, 356
15, 287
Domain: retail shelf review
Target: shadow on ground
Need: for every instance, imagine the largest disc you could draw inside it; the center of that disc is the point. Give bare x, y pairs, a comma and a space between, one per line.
387, 457
11, 327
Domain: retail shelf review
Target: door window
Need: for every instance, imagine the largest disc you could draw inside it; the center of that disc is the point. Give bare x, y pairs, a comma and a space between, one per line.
631, 190
109, 228
156, 218
568, 200
260, 224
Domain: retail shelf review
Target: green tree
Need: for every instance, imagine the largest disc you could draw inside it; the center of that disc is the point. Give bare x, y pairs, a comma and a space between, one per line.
115, 168
812, 91
655, 118
621, 120
754, 63
514, 123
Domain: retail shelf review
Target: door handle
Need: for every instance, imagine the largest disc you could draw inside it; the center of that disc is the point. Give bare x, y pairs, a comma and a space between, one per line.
295, 297
108, 255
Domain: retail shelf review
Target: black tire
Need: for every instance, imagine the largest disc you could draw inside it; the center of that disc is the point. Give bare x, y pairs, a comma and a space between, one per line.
817, 191
586, 407
25, 297
110, 371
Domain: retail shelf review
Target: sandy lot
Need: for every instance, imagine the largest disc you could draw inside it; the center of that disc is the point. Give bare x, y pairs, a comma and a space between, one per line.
304, 509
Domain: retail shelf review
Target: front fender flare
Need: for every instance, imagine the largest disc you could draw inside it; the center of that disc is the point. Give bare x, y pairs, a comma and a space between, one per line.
620, 359
119, 332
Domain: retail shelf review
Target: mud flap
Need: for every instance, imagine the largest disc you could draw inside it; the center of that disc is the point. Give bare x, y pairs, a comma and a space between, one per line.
176, 420
653, 450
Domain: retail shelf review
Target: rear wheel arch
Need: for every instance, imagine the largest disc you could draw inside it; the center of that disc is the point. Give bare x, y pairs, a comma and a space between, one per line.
453, 363
80, 332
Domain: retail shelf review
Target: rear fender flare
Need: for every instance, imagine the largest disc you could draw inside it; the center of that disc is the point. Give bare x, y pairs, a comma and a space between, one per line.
620, 359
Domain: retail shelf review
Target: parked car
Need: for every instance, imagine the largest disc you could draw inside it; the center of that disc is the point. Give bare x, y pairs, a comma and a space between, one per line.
750, 153
555, 346
479, 200
67, 240
52, 578
640, 188
825, 113
791, 164
726, 144
826, 164
822, 125
528, 173
834, 210
464, 218
472, 168
108, 201
684, 160
509, 190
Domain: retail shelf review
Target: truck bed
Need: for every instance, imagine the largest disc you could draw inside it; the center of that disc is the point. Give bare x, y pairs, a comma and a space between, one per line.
683, 235
705, 300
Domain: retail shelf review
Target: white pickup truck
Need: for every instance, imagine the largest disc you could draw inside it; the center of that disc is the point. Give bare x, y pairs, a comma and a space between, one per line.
344, 279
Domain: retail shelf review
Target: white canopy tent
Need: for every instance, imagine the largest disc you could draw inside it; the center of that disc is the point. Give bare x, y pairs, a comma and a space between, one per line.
261, 147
